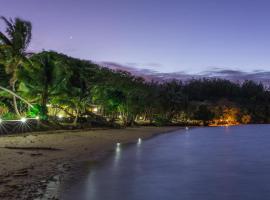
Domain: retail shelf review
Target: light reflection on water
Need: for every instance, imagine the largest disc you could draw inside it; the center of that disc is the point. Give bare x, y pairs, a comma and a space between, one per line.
117, 156
217, 163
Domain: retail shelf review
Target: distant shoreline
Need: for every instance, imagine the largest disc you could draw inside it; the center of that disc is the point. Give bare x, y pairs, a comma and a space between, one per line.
36, 162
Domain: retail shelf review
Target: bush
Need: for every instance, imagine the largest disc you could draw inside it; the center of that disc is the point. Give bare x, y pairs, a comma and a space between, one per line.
3, 109
161, 121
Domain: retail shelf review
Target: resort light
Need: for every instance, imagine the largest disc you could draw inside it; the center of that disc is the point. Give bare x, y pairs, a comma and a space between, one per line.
95, 109
60, 116
187, 128
1, 121
139, 141
37, 117
118, 144
23, 120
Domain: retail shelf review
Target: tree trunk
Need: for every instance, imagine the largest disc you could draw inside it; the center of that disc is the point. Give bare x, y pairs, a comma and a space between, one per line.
15, 99
75, 120
76, 117
44, 100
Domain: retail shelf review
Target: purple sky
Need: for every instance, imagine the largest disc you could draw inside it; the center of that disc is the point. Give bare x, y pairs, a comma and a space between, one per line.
160, 35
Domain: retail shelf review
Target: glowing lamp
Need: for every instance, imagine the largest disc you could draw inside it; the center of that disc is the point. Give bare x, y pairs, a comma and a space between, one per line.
23, 120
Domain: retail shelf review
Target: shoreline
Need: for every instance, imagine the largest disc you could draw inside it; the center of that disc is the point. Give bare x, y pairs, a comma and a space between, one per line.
64, 181
35, 164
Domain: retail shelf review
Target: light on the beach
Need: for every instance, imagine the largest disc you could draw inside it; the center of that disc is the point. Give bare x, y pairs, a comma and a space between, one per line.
23, 120
187, 128
118, 144
139, 141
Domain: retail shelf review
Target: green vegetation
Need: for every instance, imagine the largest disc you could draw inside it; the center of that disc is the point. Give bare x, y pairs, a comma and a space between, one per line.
78, 92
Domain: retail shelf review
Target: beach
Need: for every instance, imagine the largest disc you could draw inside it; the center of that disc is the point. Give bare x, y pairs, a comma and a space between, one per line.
30, 163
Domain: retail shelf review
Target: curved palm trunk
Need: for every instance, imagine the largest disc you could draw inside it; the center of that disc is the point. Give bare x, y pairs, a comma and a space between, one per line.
15, 100
15, 96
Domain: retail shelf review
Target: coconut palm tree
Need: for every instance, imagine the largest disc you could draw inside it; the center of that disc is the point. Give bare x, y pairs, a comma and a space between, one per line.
13, 49
46, 78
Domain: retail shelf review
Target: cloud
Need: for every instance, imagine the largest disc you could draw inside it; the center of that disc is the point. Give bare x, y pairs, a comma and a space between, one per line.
147, 74
216, 72
150, 64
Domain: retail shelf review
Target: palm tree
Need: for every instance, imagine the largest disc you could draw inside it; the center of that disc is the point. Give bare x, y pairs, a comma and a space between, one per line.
13, 46
46, 79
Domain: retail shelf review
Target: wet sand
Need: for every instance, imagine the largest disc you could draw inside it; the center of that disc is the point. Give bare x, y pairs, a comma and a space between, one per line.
31, 163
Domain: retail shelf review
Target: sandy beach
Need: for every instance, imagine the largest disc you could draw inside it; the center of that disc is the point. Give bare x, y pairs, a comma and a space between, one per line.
28, 162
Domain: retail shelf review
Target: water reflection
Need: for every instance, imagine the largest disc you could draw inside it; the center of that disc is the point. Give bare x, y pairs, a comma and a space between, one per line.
139, 142
117, 155
203, 163
138, 149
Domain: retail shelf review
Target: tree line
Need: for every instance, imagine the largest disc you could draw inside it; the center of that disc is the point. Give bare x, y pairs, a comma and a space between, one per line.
53, 82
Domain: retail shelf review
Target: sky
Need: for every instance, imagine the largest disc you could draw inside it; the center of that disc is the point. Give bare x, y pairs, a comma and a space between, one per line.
166, 36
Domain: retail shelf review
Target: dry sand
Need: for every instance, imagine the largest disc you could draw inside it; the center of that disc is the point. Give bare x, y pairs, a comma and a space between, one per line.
38, 158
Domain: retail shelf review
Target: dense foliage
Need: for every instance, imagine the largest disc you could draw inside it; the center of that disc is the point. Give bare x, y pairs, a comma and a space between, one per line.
55, 83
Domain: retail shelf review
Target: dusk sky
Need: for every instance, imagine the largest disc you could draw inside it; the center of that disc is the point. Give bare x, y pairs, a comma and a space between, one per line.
161, 35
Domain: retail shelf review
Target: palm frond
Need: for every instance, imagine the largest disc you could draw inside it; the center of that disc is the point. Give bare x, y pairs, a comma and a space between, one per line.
4, 40
10, 29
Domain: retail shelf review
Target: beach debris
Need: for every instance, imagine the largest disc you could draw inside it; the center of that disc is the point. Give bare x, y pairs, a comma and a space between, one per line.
36, 154
23, 172
4, 181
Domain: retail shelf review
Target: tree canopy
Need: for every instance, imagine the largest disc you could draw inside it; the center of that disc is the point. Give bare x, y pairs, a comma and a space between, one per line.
61, 85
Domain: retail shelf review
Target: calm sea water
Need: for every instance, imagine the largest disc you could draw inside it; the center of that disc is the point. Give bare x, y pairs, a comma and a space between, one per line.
199, 164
